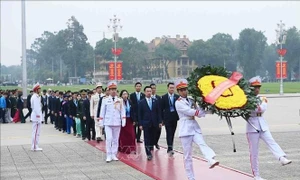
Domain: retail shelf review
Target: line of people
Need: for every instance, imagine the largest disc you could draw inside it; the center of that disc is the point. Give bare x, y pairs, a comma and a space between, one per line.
11, 106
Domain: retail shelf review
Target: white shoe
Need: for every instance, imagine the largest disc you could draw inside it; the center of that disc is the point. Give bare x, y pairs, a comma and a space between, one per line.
108, 159
213, 163
37, 149
258, 178
284, 161
114, 157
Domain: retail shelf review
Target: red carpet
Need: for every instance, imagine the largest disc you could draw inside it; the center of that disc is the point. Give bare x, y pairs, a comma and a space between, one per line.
164, 168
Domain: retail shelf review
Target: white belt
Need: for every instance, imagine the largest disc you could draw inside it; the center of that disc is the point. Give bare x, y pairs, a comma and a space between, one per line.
188, 118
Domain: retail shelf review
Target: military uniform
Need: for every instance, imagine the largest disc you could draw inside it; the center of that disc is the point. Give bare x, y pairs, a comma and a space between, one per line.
253, 136
36, 118
80, 109
190, 131
112, 116
93, 111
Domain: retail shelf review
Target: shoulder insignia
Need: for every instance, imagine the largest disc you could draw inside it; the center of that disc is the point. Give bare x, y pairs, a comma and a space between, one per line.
264, 99
179, 99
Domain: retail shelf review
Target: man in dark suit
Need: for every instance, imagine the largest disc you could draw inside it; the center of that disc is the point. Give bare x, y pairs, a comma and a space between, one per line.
135, 98
73, 111
149, 116
169, 115
28, 105
44, 101
158, 130
90, 123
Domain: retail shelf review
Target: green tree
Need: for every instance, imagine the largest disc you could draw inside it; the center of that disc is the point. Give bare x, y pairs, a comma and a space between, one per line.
76, 47
293, 50
167, 53
251, 46
268, 62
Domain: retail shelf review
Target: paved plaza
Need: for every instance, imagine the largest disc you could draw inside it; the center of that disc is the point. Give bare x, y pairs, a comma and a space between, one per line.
67, 157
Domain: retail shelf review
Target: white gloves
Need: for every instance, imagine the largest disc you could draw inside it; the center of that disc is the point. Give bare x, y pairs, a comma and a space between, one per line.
100, 123
123, 122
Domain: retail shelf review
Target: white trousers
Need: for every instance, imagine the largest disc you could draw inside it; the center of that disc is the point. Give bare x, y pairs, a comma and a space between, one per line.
187, 144
253, 141
35, 137
112, 139
98, 129
8, 115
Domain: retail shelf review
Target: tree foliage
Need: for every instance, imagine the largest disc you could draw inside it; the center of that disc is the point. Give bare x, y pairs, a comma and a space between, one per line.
167, 53
251, 46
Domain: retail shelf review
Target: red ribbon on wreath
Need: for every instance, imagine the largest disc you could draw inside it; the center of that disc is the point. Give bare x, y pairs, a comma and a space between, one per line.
117, 51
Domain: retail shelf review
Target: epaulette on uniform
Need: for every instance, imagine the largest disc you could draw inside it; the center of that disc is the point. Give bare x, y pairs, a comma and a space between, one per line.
264, 99
179, 99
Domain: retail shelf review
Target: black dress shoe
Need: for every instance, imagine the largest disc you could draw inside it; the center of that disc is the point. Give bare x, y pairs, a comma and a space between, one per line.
157, 146
98, 140
83, 138
139, 141
149, 158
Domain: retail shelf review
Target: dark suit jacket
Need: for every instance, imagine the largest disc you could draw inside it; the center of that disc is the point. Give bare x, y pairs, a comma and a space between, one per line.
72, 108
44, 104
20, 103
56, 105
28, 101
135, 103
86, 108
147, 117
168, 117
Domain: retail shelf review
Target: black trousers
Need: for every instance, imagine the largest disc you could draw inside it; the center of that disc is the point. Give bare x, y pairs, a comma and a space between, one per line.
2, 115
74, 126
149, 138
170, 133
60, 121
138, 132
13, 111
83, 127
52, 117
28, 114
90, 126
45, 111
157, 135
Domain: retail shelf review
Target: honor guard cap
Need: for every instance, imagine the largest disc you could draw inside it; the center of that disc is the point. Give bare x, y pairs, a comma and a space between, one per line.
181, 83
255, 81
98, 85
112, 85
36, 87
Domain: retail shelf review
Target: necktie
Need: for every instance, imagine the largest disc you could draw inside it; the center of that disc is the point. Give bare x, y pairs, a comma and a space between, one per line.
113, 99
150, 103
138, 96
99, 96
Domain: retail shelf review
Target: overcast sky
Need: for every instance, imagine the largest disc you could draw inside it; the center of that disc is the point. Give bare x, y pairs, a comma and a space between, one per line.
144, 20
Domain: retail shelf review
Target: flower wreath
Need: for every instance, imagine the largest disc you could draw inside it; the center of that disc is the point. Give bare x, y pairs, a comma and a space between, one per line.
235, 100
239, 100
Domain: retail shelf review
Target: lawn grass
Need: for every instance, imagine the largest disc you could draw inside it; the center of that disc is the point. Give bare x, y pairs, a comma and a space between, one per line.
267, 88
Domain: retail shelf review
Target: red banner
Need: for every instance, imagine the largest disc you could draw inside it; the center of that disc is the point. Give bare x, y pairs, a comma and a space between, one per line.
119, 70
111, 70
284, 70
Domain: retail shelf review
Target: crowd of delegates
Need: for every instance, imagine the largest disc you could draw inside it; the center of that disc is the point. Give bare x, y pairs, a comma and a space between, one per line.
86, 114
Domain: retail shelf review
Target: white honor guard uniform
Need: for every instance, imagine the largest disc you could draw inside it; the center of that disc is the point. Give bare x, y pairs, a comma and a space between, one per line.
36, 118
93, 111
253, 136
113, 116
190, 131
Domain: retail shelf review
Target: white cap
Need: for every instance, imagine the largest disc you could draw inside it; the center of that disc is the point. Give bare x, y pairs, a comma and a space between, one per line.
181, 83
112, 85
255, 81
